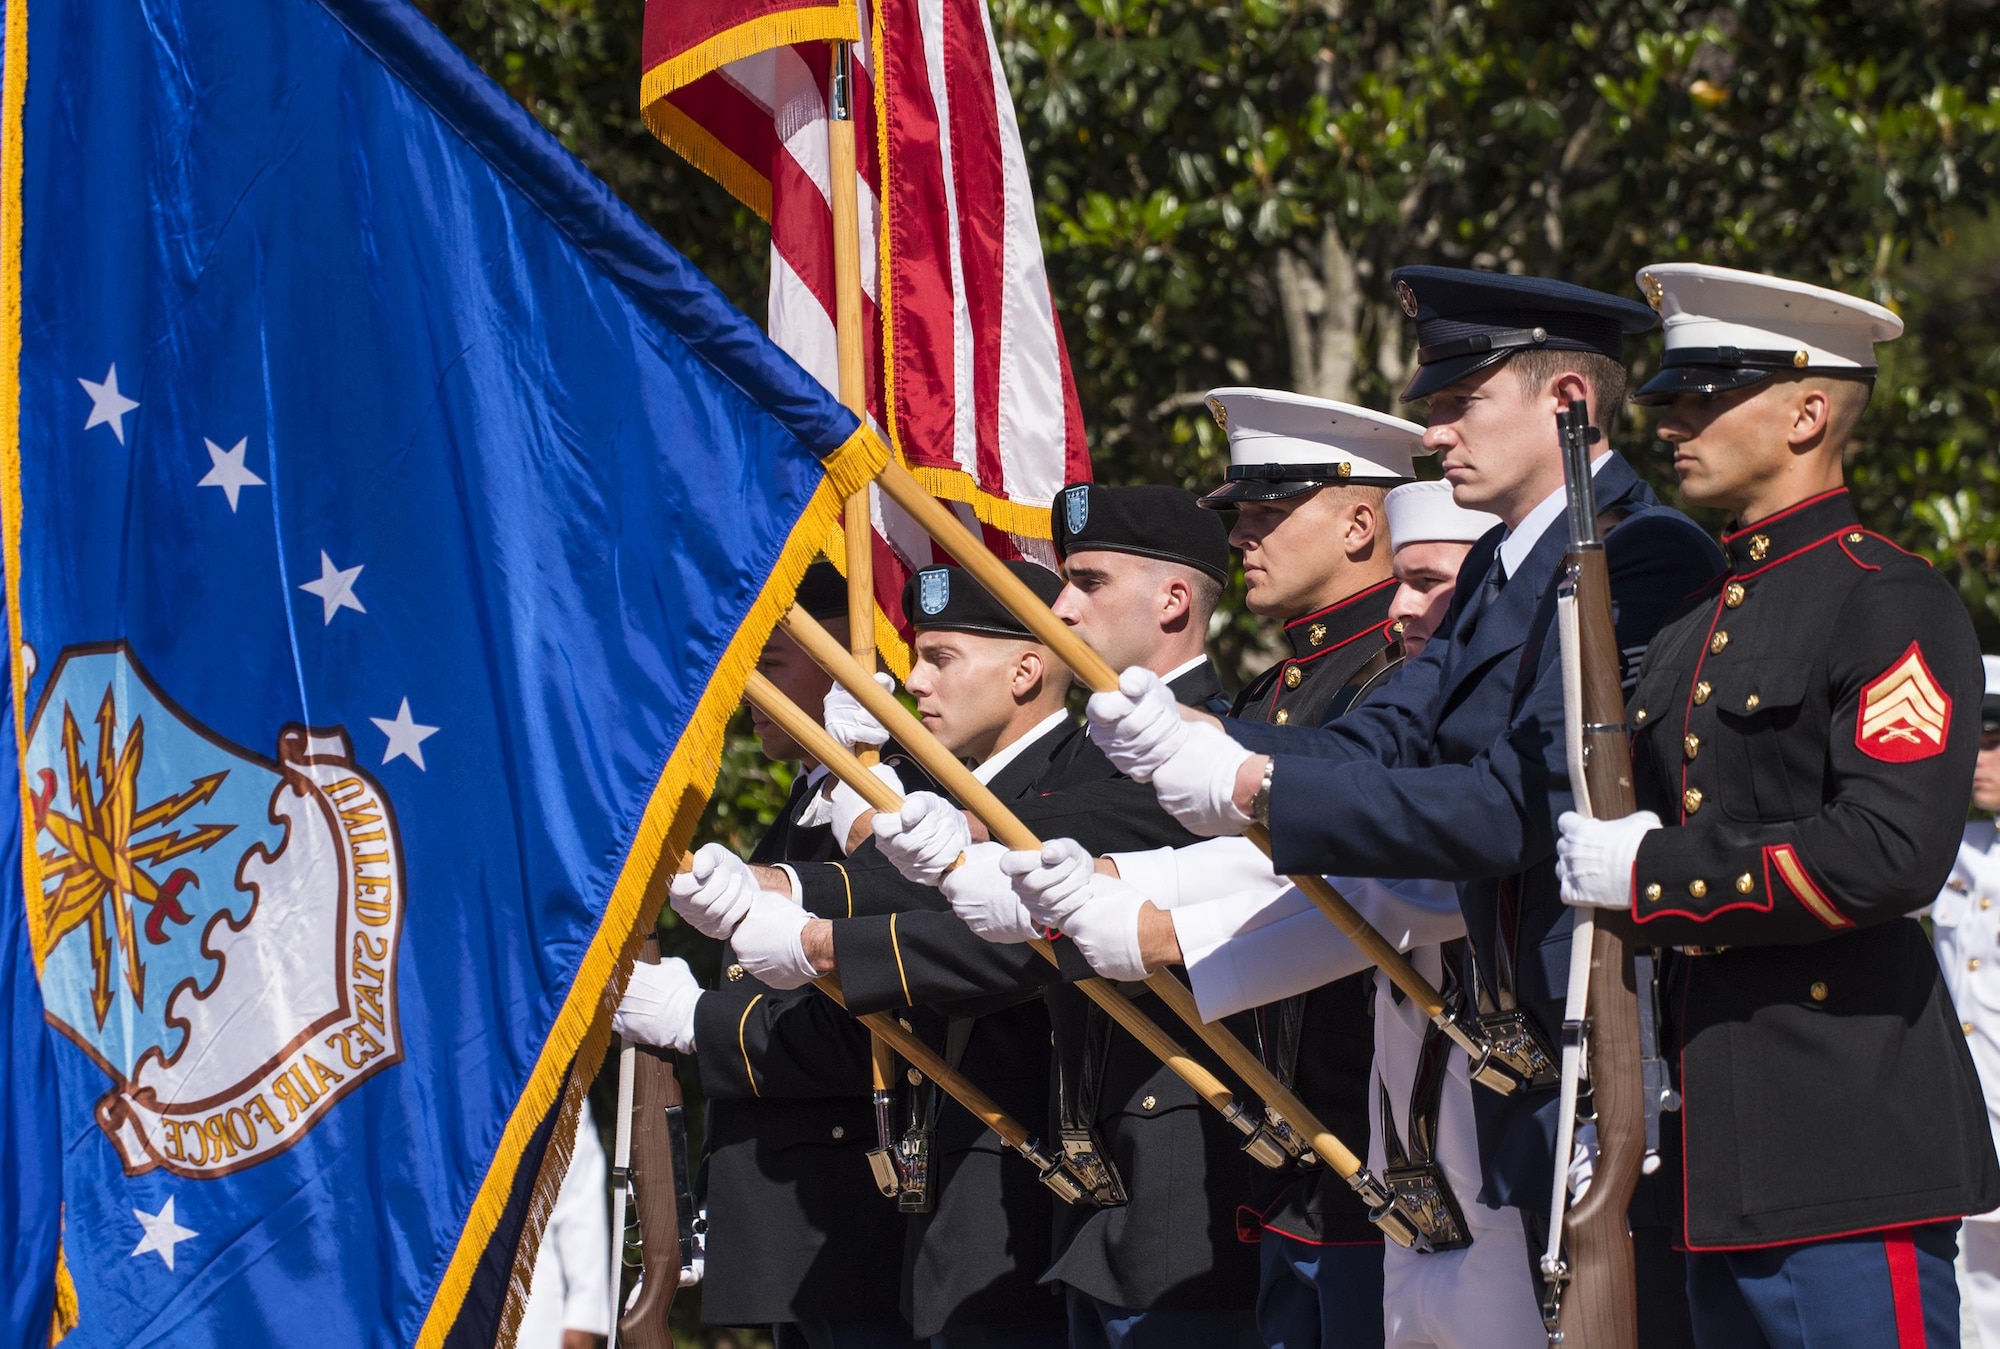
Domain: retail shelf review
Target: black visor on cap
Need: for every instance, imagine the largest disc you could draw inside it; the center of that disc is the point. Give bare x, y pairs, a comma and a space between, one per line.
1713, 370
1239, 490
1989, 713
950, 599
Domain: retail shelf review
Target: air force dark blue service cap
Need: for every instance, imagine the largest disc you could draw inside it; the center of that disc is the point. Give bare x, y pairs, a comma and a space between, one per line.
1468, 320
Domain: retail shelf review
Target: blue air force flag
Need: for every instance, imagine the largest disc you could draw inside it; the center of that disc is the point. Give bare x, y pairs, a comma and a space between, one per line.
390, 523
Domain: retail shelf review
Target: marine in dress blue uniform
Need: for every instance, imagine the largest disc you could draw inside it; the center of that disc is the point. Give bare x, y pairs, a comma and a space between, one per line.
1320, 1258
1456, 769
1804, 731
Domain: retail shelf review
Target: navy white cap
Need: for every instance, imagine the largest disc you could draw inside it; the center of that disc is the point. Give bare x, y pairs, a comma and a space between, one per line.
1728, 329
1423, 512
1467, 320
1284, 444
1989, 708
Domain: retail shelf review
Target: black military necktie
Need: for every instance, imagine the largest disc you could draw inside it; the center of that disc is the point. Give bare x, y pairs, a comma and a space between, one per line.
1488, 596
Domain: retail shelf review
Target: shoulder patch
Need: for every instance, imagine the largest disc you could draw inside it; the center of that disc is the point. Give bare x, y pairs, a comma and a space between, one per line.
1904, 713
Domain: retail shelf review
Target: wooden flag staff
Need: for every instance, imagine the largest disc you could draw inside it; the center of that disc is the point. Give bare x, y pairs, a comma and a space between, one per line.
857, 519
1384, 1209
813, 737
1505, 1055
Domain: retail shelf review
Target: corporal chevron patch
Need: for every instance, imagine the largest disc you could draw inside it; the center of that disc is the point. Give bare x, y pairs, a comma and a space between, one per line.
1904, 714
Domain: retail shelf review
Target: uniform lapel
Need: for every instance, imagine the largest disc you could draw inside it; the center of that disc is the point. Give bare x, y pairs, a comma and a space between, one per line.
1504, 625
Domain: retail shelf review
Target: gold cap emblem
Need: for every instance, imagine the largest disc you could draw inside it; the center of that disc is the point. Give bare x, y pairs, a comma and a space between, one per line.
1800, 359
1220, 413
1656, 293
1406, 298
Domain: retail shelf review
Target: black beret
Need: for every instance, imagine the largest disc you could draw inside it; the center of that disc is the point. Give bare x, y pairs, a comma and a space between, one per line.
1163, 522
950, 599
1468, 320
823, 592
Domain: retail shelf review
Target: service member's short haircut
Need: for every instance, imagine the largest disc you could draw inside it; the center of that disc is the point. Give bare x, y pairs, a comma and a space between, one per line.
1849, 395
1206, 595
1535, 367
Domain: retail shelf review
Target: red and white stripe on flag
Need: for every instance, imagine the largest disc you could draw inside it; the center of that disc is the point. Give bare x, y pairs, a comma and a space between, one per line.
966, 369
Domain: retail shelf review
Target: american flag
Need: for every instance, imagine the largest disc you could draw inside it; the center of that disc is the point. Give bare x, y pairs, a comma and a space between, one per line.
966, 370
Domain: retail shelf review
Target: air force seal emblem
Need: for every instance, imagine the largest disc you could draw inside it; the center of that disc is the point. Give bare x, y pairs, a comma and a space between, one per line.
219, 928
933, 590
1076, 508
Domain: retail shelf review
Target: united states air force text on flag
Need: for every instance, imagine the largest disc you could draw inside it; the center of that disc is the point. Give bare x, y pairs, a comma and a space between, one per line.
391, 521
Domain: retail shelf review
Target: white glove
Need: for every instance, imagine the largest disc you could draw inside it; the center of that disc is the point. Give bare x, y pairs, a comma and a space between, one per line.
1105, 928
713, 897
658, 1006
1197, 786
1582, 1158
1050, 884
981, 895
853, 725
767, 943
846, 805
1192, 765
1595, 858
924, 838
1139, 726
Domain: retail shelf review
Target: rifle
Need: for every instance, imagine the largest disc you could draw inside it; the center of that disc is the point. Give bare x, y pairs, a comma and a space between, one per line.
1591, 1298
650, 1155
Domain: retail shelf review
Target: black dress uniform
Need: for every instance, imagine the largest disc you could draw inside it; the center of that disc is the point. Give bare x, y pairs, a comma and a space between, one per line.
1167, 1265
1807, 727
979, 1258
795, 1223
796, 1227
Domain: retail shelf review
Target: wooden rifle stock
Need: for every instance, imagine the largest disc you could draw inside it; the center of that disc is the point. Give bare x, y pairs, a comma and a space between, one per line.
1599, 1306
655, 1190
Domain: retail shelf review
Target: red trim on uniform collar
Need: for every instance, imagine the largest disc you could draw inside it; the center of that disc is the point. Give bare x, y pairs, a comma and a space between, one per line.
1793, 509
1378, 630
1337, 605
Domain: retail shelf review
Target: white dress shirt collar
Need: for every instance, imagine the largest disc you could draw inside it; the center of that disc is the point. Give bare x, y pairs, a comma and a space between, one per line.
1522, 538
987, 771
